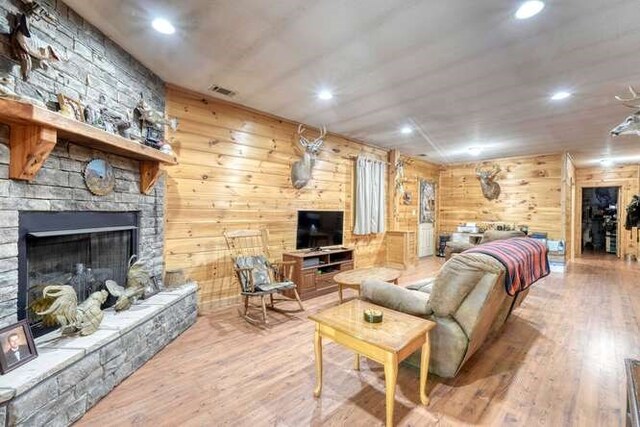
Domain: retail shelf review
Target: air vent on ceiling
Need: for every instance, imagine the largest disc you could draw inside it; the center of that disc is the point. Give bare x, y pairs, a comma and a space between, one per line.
223, 91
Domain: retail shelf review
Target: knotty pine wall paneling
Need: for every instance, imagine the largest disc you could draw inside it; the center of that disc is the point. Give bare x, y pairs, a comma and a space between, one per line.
234, 174
531, 194
627, 177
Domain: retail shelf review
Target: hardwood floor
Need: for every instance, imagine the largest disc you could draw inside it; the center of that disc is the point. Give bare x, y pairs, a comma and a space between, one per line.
559, 361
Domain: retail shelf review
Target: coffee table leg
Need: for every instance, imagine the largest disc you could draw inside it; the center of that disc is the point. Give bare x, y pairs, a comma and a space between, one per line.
317, 345
390, 376
340, 292
356, 364
424, 370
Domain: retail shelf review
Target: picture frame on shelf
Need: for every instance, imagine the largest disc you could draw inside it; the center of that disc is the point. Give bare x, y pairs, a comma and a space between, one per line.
16, 346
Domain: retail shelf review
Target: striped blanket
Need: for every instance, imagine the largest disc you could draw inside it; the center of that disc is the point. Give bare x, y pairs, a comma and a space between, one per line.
525, 260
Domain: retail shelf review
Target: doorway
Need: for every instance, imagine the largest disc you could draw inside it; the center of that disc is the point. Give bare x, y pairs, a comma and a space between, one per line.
600, 226
427, 217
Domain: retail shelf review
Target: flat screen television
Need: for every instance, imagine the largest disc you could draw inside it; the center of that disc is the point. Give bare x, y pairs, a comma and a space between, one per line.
317, 229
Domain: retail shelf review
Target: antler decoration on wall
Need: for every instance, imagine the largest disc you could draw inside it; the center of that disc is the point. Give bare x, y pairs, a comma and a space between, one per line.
301, 169
490, 188
631, 125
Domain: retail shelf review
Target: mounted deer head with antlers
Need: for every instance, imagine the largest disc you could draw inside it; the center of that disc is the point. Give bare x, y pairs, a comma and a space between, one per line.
631, 125
301, 169
490, 188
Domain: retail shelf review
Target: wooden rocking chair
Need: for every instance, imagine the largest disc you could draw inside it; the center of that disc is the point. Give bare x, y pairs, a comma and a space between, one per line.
257, 274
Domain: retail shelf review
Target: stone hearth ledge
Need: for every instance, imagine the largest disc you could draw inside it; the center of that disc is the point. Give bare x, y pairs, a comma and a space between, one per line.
75, 372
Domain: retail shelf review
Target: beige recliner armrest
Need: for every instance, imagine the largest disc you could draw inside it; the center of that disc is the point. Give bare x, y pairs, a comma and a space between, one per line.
396, 298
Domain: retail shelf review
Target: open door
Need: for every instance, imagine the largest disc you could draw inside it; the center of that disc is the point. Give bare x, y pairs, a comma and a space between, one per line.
600, 225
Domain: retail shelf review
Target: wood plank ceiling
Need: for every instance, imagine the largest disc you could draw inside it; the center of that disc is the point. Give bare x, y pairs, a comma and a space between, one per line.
462, 73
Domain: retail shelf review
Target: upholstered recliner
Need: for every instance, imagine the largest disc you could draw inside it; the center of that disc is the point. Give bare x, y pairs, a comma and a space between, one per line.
467, 300
488, 236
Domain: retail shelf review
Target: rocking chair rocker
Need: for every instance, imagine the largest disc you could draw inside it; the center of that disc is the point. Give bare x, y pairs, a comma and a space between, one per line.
257, 275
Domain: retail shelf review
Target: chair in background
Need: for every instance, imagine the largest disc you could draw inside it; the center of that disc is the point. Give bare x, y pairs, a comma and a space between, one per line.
258, 275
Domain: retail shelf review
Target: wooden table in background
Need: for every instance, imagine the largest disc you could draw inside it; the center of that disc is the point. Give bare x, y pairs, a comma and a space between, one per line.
353, 278
389, 343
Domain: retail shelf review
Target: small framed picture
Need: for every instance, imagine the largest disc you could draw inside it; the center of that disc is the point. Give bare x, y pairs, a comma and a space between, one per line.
16, 346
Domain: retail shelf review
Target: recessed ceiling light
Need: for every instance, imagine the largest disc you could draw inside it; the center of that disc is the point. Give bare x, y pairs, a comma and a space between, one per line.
406, 130
325, 95
529, 9
475, 151
606, 162
163, 26
559, 96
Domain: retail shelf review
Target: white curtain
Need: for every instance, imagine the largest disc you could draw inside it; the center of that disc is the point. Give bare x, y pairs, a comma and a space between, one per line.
370, 198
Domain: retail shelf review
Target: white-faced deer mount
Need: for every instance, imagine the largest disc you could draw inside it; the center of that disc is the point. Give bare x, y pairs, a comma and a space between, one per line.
490, 188
631, 125
301, 169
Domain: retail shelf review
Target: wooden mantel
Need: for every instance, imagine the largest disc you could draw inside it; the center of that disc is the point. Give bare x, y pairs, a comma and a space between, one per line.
35, 131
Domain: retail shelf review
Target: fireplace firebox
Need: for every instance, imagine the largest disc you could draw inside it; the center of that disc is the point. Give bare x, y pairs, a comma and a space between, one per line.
80, 249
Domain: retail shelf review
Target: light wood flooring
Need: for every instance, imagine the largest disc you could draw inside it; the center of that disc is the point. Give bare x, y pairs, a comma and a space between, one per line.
559, 361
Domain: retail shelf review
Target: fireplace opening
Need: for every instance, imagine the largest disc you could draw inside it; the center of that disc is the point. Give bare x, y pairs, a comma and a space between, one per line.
80, 249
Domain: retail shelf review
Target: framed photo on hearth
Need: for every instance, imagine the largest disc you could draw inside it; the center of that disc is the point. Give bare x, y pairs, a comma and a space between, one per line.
16, 346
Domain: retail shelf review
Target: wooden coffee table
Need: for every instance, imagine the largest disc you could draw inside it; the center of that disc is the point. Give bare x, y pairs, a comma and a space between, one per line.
389, 343
353, 278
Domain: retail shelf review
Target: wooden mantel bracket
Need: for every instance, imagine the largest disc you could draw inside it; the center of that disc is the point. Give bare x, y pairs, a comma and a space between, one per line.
30, 148
150, 172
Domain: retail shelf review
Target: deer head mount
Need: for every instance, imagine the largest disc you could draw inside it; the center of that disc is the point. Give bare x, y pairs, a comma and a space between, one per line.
301, 169
490, 188
631, 125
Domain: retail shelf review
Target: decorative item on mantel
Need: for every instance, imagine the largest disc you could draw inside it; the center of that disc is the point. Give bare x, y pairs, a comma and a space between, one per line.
73, 318
104, 118
152, 123
99, 177
6, 92
71, 108
25, 46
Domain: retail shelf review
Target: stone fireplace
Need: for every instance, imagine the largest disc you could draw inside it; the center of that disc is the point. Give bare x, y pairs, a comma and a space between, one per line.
35, 213
80, 249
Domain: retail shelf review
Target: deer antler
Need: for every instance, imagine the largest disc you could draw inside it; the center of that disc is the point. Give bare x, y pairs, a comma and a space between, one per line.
303, 141
627, 101
320, 139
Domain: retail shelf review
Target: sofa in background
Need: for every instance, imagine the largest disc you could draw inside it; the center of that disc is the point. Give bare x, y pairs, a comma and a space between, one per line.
488, 236
467, 300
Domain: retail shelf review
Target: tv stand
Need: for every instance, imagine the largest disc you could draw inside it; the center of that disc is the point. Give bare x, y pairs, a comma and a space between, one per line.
314, 269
